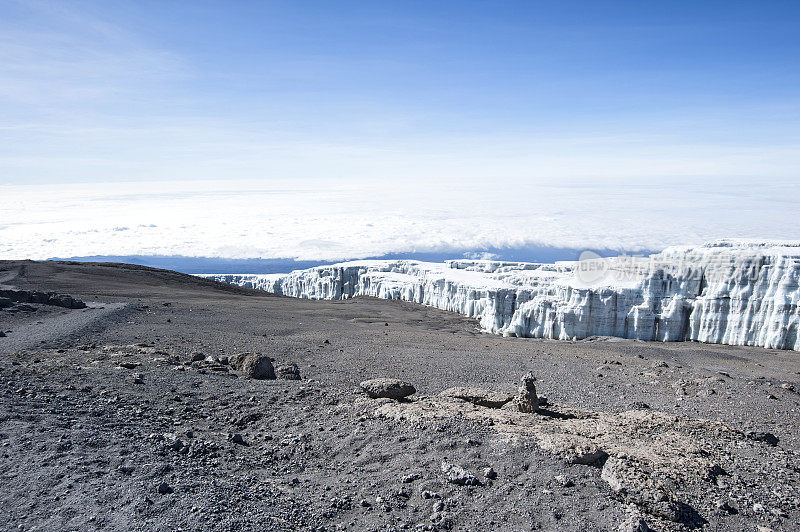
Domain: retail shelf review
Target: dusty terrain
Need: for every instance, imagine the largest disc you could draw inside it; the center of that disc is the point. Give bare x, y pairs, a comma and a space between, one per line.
107, 423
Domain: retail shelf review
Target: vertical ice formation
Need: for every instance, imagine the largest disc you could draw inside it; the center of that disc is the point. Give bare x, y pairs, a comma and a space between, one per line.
728, 292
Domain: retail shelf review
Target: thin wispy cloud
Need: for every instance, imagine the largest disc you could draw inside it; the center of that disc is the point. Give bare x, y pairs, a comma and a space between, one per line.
55, 55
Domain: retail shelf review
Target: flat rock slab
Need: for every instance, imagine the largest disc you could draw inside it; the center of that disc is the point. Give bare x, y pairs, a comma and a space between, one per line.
642, 453
478, 396
387, 388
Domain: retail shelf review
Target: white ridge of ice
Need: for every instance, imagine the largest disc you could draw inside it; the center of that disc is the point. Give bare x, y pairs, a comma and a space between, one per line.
728, 292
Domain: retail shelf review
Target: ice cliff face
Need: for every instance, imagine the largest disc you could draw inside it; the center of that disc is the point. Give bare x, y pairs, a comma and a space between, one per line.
728, 292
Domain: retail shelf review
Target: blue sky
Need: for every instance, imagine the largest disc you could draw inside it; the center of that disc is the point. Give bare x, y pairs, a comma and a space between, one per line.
510, 95
131, 90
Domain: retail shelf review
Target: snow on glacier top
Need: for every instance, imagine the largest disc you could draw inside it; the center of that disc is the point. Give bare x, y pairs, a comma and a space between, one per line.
617, 273
743, 245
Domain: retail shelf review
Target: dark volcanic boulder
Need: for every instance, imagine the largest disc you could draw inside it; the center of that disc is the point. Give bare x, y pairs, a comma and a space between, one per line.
39, 297
6, 302
387, 388
42, 298
258, 366
61, 300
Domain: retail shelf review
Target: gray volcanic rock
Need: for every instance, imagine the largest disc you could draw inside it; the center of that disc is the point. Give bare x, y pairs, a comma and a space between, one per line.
288, 371
459, 475
235, 361
638, 486
526, 400
478, 396
258, 367
387, 388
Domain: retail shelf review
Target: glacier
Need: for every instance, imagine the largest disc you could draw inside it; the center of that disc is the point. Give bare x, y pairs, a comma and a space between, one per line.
725, 292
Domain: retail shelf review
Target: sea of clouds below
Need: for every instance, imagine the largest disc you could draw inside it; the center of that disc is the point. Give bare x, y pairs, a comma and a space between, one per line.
315, 221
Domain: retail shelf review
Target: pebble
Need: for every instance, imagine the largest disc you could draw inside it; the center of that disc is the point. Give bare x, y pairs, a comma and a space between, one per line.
543, 401
563, 481
410, 478
725, 507
634, 524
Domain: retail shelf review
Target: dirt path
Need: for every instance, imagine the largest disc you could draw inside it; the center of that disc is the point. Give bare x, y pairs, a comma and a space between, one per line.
52, 326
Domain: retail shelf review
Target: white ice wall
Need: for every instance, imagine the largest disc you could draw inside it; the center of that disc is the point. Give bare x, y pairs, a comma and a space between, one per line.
737, 293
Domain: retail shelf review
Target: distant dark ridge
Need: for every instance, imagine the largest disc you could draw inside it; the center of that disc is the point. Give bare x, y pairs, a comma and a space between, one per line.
184, 264
191, 265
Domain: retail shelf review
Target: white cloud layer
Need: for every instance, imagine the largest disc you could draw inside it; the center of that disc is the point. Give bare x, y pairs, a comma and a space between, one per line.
334, 220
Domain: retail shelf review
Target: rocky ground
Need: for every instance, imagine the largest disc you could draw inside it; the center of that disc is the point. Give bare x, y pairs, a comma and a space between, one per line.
138, 412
